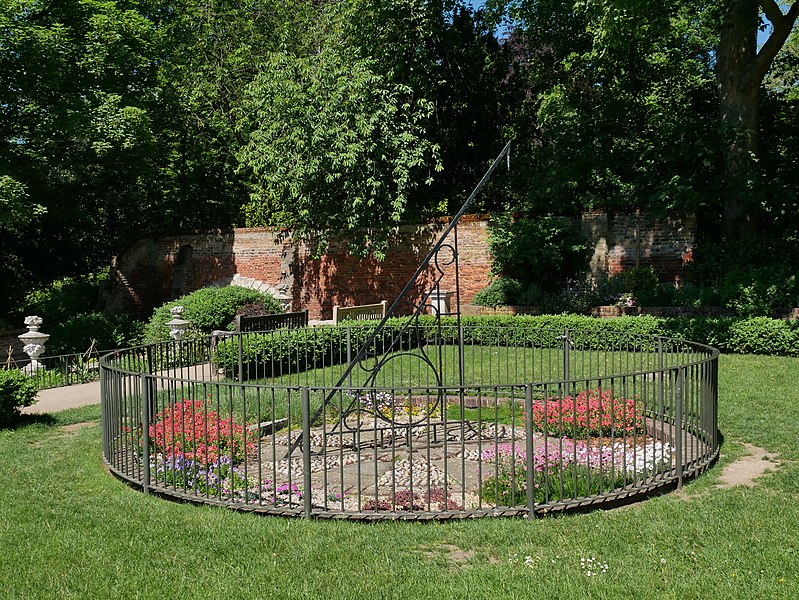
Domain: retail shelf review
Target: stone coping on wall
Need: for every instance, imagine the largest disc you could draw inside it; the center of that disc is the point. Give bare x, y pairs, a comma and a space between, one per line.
472, 310
604, 312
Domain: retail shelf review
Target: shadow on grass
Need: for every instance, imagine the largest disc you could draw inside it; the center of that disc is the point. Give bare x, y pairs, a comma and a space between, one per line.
24, 420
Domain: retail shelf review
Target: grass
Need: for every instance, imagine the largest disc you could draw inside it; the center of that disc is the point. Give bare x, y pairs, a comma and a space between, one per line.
70, 530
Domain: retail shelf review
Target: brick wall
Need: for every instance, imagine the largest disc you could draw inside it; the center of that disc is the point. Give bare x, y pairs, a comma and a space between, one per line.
152, 271
10, 339
624, 240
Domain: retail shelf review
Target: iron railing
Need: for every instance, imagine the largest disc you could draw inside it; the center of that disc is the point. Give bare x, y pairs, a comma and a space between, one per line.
272, 322
62, 370
459, 421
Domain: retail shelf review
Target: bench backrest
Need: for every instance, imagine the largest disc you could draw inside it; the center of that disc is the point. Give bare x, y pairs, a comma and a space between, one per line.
364, 312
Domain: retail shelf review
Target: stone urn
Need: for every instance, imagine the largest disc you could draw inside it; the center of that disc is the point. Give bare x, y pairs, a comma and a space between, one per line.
177, 326
33, 342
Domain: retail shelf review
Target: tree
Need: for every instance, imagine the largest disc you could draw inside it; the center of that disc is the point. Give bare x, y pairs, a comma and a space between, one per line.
615, 105
741, 69
76, 89
332, 148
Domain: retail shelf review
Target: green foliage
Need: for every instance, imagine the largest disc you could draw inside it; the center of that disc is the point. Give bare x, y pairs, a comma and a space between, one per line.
750, 277
15, 208
16, 391
77, 333
543, 250
65, 297
297, 350
207, 309
502, 291
615, 104
333, 147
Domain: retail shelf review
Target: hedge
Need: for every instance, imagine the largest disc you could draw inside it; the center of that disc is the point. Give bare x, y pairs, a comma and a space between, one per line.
296, 350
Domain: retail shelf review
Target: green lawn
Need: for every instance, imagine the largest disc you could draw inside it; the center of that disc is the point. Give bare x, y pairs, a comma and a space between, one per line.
68, 529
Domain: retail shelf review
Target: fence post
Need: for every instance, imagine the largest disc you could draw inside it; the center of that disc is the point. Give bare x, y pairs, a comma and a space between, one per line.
241, 358
306, 451
566, 348
528, 428
661, 376
146, 393
678, 426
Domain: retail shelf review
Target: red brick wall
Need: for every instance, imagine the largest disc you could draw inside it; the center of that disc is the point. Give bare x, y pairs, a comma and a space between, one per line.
624, 240
144, 274
152, 271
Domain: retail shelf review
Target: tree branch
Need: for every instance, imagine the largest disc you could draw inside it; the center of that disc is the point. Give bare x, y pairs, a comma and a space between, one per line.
783, 23
773, 12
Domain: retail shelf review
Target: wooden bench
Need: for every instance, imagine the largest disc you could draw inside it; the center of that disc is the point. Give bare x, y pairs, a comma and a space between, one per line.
364, 312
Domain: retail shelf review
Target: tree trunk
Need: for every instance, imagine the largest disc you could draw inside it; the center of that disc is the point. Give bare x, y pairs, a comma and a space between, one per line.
739, 89
741, 68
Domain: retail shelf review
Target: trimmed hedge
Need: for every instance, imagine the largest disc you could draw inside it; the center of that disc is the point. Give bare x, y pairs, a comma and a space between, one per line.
208, 309
296, 350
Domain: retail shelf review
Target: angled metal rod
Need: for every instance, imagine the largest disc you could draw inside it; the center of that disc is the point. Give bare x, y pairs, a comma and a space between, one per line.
362, 352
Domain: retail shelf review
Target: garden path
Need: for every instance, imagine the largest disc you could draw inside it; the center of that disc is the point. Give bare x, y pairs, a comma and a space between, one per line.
71, 396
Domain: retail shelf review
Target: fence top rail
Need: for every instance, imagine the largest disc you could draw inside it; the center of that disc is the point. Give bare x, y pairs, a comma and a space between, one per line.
595, 380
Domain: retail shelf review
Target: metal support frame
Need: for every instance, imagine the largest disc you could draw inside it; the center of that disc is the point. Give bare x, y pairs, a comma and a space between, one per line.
441, 256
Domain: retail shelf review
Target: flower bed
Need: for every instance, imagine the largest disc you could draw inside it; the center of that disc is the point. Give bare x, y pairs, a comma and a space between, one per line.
590, 413
563, 468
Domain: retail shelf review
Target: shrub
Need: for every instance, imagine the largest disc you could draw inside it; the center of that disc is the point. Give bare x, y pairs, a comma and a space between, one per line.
296, 350
545, 249
191, 431
75, 334
65, 297
208, 309
500, 292
17, 391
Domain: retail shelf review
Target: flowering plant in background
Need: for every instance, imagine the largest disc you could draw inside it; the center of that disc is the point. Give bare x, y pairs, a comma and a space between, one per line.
374, 401
220, 479
590, 413
563, 468
627, 299
215, 479
188, 430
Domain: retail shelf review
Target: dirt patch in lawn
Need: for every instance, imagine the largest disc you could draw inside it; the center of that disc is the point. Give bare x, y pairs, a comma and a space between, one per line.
70, 429
458, 558
746, 469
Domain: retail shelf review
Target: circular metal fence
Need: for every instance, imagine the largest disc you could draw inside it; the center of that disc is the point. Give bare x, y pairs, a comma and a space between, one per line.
444, 422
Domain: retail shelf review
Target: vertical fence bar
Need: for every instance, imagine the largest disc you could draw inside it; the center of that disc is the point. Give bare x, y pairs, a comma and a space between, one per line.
146, 392
678, 410
661, 376
528, 427
306, 451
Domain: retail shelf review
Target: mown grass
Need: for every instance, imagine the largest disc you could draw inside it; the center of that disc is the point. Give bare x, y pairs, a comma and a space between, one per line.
70, 530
